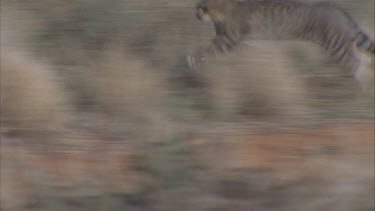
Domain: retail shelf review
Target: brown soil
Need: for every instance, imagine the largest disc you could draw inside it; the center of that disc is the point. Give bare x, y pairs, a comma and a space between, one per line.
307, 153
287, 151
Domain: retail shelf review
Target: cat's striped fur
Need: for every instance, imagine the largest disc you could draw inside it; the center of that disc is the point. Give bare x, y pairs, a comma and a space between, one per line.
321, 23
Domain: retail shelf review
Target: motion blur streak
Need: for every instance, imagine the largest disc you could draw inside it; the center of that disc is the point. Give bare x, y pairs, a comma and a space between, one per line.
99, 111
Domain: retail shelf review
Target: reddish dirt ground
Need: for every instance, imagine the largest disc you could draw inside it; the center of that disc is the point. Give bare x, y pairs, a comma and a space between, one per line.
286, 151
288, 154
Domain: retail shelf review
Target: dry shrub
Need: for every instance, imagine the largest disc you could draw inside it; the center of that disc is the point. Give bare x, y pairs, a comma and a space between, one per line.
124, 84
256, 80
32, 102
333, 92
129, 94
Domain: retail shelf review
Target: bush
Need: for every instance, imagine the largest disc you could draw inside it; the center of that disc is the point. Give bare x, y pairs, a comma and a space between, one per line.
32, 101
256, 80
128, 94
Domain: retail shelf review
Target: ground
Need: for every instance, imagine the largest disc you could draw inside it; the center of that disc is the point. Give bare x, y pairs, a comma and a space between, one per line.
330, 159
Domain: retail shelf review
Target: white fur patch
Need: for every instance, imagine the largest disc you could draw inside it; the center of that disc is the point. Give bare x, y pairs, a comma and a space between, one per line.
206, 18
365, 73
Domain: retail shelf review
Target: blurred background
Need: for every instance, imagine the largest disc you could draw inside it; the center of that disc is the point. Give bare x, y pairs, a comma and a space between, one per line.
100, 112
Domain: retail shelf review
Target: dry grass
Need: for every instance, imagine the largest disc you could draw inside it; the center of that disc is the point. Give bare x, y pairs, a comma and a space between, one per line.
32, 101
257, 80
124, 84
265, 171
129, 95
123, 64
